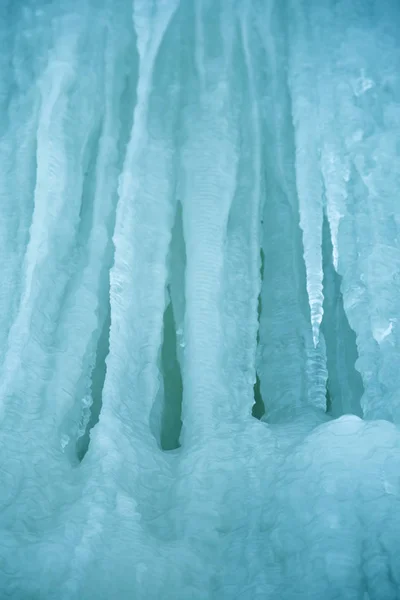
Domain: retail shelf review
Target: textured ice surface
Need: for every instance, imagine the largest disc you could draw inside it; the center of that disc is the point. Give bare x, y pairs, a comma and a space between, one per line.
199, 225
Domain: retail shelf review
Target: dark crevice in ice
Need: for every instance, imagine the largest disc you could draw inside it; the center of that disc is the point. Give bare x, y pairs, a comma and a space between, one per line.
74, 423
86, 212
171, 422
92, 407
344, 387
328, 398
166, 414
98, 378
173, 340
258, 410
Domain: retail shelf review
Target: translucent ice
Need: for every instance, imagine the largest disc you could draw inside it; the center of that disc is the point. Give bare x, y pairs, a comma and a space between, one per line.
200, 300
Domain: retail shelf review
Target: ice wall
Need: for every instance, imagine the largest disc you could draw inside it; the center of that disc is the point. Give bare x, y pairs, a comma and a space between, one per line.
199, 225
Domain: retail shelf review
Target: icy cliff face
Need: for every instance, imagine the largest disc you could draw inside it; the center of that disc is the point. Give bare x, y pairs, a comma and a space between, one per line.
199, 335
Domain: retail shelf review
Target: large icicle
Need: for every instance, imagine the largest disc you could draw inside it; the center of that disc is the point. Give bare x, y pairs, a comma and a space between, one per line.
241, 277
305, 107
209, 171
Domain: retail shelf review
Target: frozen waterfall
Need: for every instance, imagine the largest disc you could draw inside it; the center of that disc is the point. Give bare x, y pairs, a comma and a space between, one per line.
200, 300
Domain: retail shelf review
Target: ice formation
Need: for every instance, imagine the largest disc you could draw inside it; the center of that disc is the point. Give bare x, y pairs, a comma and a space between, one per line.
200, 300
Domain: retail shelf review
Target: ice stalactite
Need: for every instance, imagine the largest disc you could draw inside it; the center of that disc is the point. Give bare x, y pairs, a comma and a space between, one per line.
241, 272
305, 107
209, 166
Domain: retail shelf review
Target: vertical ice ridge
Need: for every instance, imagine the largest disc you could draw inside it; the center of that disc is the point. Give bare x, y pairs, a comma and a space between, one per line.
308, 180
54, 204
209, 169
257, 183
208, 179
305, 102
241, 271
334, 170
150, 25
143, 230
20, 113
